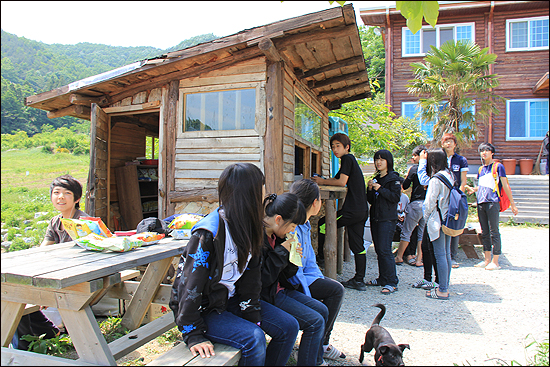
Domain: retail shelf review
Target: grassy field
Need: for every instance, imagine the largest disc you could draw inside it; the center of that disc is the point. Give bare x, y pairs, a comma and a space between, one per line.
26, 178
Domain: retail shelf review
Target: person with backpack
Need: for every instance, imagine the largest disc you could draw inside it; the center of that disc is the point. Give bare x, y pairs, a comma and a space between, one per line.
435, 207
491, 181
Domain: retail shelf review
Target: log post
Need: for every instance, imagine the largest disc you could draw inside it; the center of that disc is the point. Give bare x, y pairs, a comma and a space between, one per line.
273, 140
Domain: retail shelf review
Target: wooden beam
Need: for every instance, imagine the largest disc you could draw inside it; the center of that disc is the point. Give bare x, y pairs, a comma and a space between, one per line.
269, 49
314, 35
210, 195
16, 357
359, 75
344, 89
334, 105
79, 111
134, 121
337, 65
542, 83
83, 100
133, 108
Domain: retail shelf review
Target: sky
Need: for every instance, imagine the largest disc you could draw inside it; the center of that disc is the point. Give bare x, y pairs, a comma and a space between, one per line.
159, 24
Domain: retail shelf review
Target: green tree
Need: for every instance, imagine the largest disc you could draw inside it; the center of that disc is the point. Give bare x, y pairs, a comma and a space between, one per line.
375, 56
415, 11
372, 126
450, 81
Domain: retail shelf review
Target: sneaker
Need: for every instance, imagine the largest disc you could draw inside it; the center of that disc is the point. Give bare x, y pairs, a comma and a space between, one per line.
354, 284
480, 264
420, 283
492, 266
332, 353
454, 264
430, 285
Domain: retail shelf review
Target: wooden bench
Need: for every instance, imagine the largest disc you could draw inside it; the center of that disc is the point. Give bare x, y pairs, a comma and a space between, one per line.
181, 356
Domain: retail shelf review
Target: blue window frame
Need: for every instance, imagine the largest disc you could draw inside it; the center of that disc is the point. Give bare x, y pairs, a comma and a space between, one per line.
419, 44
527, 34
526, 119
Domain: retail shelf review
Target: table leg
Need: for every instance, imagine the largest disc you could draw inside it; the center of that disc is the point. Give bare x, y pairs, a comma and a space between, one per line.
11, 315
330, 238
146, 290
86, 336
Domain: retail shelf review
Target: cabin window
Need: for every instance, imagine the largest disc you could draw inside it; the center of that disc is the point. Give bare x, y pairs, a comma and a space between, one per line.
527, 34
526, 119
221, 110
412, 110
307, 124
419, 44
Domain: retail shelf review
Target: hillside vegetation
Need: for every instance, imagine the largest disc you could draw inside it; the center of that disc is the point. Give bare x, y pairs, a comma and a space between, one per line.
30, 67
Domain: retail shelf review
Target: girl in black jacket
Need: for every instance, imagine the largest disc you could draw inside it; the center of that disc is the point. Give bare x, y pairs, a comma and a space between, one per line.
383, 194
282, 214
216, 293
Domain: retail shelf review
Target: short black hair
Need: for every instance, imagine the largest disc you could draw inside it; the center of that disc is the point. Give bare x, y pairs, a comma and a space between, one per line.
70, 183
306, 190
486, 146
437, 161
417, 150
342, 138
387, 156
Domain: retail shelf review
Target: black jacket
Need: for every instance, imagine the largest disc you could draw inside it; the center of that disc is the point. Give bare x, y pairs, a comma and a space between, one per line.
276, 268
383, 202
197, 288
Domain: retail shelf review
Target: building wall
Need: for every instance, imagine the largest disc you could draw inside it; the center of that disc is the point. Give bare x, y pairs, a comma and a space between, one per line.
519, 72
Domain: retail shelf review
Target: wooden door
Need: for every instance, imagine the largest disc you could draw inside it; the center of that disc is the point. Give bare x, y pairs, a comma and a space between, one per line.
96, 190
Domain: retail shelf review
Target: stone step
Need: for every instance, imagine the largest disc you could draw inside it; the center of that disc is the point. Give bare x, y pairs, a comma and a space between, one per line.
504, 217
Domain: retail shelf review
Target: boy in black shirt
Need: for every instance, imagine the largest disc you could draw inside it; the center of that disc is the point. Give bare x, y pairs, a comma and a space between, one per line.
354, 212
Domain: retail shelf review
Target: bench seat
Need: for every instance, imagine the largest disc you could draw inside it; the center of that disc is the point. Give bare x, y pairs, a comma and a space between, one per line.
181, 356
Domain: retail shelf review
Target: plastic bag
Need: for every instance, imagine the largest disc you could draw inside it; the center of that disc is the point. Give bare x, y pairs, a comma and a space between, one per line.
185, 221
148, 238
294, 256
77, 228
96, 242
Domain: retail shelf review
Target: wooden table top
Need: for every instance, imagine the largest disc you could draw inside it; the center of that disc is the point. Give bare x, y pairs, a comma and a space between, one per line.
333, 192
65, 264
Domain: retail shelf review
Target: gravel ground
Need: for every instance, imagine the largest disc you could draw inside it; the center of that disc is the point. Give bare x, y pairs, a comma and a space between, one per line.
485, 321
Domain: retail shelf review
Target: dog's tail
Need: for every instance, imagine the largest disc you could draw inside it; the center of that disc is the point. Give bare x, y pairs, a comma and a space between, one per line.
380, 314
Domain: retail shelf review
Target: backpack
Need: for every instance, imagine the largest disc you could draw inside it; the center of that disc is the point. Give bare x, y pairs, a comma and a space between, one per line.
503, 200
457, 214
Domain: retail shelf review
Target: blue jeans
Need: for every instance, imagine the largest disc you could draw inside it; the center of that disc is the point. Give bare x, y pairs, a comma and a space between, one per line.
442, 252
331, 293
228, 328
283, 329
382, 235
312, 316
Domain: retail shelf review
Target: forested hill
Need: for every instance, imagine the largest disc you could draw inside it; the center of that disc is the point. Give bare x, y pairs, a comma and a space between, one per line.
30, 67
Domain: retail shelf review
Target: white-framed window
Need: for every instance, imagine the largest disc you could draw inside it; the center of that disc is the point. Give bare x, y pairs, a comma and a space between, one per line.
412, 110
526, 119
527, 34
419, 44
233, 109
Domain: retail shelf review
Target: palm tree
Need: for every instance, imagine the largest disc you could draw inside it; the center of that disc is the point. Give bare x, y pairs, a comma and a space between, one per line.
451, 80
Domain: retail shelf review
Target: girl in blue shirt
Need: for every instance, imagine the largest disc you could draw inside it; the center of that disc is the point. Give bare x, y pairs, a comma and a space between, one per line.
308, 276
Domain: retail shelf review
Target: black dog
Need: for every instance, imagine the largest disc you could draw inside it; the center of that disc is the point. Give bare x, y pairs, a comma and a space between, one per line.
387, 352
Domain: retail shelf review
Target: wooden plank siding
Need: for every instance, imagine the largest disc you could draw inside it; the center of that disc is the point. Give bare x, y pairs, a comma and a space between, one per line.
519, 72
201, 156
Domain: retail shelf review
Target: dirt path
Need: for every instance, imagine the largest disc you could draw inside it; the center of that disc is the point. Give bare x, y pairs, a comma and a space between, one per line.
489, 315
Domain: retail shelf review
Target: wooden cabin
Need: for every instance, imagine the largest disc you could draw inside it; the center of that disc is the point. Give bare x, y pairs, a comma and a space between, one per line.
516, 31
262, 96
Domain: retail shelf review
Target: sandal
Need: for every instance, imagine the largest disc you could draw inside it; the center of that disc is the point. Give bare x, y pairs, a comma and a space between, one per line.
419, 264
332, 353
429, 285
492, 266
433, 294
388, 289
372, 283
411, 261
420, 283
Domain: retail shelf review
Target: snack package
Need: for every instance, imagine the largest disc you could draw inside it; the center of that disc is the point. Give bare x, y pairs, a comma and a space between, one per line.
96, 242
184, 221
148, 238
181, 234
294, 256
83, 226
103, 228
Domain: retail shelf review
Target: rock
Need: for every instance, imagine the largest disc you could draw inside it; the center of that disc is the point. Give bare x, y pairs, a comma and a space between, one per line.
27, 221
40, 214
28, 239
27, 229
6, 244
18, 235
42, 221
4, 231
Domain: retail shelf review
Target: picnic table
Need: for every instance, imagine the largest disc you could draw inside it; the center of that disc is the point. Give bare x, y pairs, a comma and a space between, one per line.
72, 279
334, 248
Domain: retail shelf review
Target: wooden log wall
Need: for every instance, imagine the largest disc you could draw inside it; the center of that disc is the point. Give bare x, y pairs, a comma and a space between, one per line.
519, 72
201, 156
